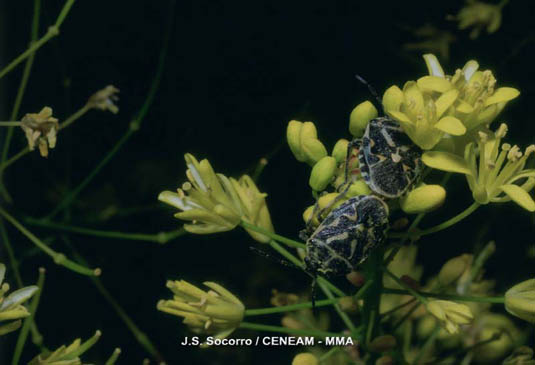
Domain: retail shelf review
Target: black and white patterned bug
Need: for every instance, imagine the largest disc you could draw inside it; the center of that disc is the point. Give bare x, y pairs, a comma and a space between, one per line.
346, 236
389, 162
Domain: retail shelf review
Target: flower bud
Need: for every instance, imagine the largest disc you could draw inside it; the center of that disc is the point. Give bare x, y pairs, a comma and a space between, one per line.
360, 117
359, 187
325, 200
520, 300
348, 304
450, 314
522, 355
356, 278
305, 358
313, 150
293, 136
453, 269
340, 150
322, 173
383, 343
423, 199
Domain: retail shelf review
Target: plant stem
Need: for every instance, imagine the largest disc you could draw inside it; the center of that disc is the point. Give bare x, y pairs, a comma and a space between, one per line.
58, 257
259, 168
113, 357
398, 307
11, 254
460, 298
400, 282
328, 354
20, 92
23, 334
294, 260
291, 331
427, 344
140, 336
51, 32
161, 237
289, 308
343, 315
450, 222
133, 127
282, 239
11, 160
9, 124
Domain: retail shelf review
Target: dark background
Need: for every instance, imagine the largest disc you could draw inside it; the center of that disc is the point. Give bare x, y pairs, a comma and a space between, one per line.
236, 73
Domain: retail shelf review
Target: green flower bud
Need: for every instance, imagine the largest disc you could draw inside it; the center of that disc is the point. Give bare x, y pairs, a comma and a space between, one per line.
520, 300
322, 173
293, 136
423, 199
313, 150
359, 187
360, 117
305, 358
348, 304
453, 269
307, 214
340, 150
325, 200
383, 343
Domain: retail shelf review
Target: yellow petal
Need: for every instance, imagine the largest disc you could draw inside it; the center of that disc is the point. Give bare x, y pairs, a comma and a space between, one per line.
399, 116
469, 69
434, 83
445, 101
446, 161
451, 125
433, 66
464, 108
501, 95
392, 98
413, 98
519, 196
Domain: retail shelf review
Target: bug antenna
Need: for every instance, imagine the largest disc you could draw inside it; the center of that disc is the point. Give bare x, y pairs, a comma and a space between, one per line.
273, 258
371, 89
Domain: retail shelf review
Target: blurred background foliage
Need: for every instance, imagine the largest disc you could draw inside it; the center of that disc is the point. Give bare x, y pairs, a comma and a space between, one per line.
236, 73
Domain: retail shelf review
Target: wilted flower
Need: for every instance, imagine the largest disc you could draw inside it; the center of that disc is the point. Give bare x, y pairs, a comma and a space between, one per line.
11, 308
41, 129
105, 99
66, 355
450, 314
520, 300
215, 203
493, 170
304, 143
216, 312
480, 15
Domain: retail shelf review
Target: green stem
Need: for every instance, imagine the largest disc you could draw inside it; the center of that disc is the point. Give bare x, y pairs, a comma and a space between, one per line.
460, 298
427, 345
404, 237
289, 308
291, 331
9, 124
450, 222
343, 315
396, 308
287, 241
133, 127
58, 257
161, 237
259, 168
11, 254
23, 334
328, 354
11, 160
20, 91
294, 260
405, 317
113, 358
401, 283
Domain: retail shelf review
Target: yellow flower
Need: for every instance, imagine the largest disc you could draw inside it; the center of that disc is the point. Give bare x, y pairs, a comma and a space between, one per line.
305, 358
439, 105
66, 355
105, 99
215, 203
11, 308
450, 314
520, 300
480, 15
40, 128
493, 170
216, 312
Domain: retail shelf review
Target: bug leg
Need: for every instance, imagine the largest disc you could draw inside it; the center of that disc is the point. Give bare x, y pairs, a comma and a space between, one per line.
356, 143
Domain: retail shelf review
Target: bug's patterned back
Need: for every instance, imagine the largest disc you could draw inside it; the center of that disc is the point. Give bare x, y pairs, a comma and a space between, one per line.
345, 237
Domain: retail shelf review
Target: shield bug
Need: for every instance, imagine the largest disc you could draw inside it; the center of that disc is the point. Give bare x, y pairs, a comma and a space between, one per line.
346, 236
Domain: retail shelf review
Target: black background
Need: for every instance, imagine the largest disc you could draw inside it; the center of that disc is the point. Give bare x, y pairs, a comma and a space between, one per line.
236, 73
